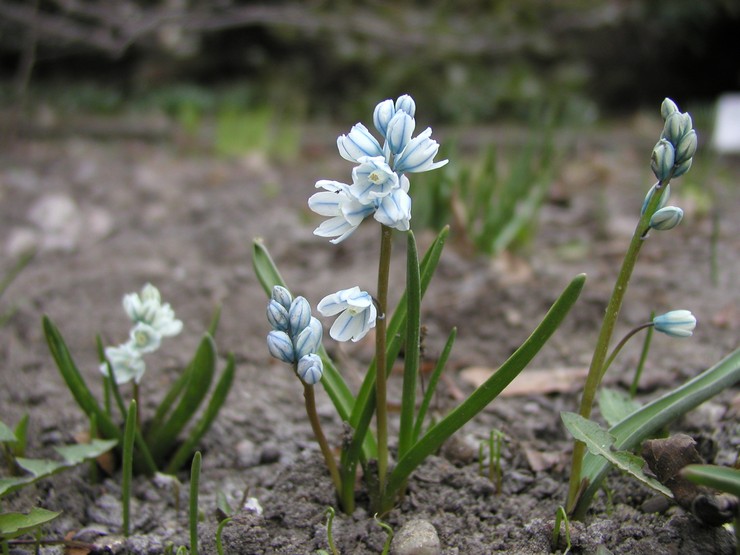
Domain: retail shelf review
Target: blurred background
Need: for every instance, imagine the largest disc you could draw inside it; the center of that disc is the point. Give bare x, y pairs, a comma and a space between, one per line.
472, 61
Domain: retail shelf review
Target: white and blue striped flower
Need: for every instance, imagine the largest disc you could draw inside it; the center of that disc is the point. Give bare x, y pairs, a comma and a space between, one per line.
357, 313
676, 323
310, 368
125, 363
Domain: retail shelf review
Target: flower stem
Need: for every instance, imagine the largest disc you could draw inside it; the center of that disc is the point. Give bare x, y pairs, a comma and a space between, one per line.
597, 368
384, 265
331, 464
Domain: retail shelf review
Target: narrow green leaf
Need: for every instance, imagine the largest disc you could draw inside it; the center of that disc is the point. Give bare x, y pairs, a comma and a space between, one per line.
432, 385
264, 267
75, 382
411, 355
199, 430
654, 416
200, 374
13, 525
485, 393
615, 405
215, 319
39, 468
21, 433
601, 443
127, 466
721, 478
193, 517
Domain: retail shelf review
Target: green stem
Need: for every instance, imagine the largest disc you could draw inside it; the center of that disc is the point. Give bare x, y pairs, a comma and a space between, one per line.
384, 265
621, 344
193, 514
331, 464
643, 357
596, 370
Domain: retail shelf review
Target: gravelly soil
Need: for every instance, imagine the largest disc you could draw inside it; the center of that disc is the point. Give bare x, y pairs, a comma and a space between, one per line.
109, 215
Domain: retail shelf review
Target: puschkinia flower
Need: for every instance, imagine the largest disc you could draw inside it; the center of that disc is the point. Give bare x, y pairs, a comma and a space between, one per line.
296, 335
663, 199
152, 320
147, 308
125, 362
379, 184
676, 323
310, 369
358, 313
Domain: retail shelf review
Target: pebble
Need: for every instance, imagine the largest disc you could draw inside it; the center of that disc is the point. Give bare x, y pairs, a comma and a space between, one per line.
247, 454
416, 537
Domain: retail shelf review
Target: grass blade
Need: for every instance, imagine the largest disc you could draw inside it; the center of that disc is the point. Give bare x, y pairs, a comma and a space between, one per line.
199, 430
722, 478
194, 485
411, 358
128, 466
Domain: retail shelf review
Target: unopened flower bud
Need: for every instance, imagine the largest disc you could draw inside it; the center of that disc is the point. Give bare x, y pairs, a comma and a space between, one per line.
309, 340
277, 315
407, 104
280, 346
310, 369
682, 168
666, 218
663, 199
676, 323
686, 147
667, 108
662, 160
384, 111
282, 296
299, 315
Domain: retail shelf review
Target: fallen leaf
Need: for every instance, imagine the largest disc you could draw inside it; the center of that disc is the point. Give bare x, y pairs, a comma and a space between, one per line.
542, 381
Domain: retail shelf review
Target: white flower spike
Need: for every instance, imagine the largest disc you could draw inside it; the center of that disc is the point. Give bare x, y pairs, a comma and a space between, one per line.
358, 313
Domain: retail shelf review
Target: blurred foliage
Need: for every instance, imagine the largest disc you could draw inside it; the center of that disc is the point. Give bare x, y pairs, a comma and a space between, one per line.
464, 62
491, 208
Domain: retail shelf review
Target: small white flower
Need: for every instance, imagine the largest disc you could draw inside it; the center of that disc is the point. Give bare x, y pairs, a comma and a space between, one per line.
358, 313
144, 338
125, 362
309, 339
418, 154
280, 346
344, 211
400, 129
148, 309
372, 179
383, 113
395, 210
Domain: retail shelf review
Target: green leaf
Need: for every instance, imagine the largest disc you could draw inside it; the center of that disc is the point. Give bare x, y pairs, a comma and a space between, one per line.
432, 385
200, 374
485, 393
721, 478
76, 383
655, 416
601, 443
13, 525
199, 430
411, 354
6, 434
615, 405
41, 468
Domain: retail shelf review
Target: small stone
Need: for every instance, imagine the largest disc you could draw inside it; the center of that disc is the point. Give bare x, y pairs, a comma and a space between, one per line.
247, 454
416, 537
270, 454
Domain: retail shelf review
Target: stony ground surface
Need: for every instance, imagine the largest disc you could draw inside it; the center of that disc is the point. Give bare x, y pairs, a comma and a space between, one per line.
108, 215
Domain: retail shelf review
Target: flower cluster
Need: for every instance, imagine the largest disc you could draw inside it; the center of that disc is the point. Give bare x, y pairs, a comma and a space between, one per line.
379, 184
674, 152
296, 335
152, 320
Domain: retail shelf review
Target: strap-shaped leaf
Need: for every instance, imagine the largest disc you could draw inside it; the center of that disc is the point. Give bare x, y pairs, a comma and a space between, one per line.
75, 381
722, 478
199, 430
486, 392
200, 374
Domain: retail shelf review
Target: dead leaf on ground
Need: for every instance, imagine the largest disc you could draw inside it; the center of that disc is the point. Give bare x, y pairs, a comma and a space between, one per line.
534, 381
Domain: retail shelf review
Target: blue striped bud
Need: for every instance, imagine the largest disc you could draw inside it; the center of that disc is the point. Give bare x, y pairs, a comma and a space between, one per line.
666, 218
676, 323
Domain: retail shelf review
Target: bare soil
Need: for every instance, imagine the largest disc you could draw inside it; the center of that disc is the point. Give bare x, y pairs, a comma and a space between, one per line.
108, 215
